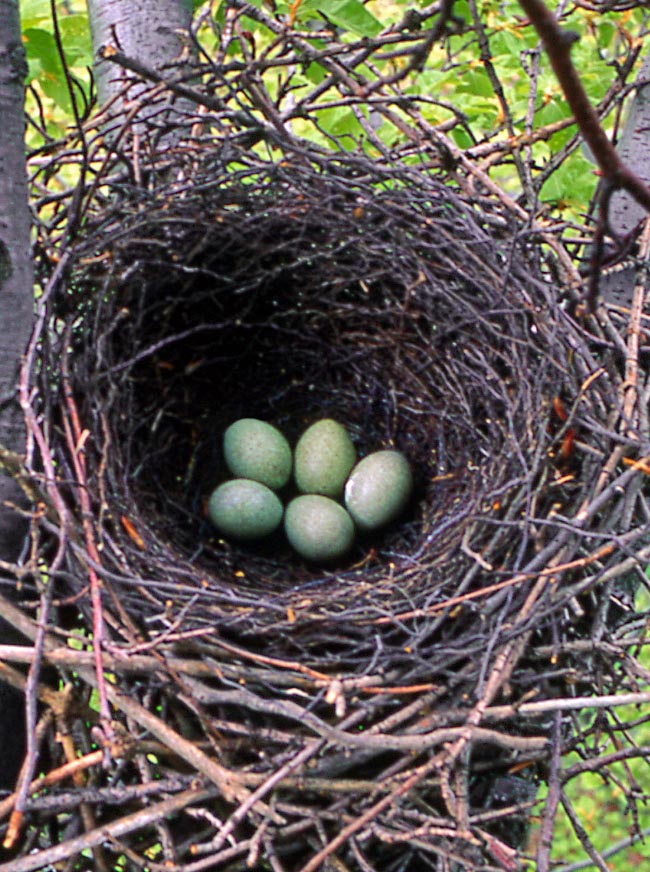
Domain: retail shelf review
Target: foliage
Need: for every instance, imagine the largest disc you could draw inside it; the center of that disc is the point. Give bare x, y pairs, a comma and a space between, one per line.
486, 82
604, 812
50, 92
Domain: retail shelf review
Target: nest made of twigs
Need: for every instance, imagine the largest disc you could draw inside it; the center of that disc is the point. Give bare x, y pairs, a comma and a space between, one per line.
290, 294
336, 286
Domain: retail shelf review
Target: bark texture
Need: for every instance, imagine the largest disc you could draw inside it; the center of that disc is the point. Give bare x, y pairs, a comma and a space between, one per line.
155, 32
16, 307
16, 302
624, 212
634, 148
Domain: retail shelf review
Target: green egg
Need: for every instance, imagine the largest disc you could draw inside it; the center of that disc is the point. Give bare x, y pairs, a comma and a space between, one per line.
244, 509
257, 450
318, 528
323, 458
378, 489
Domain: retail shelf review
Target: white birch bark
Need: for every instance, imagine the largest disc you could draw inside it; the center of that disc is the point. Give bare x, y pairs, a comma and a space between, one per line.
16, 311
153, 32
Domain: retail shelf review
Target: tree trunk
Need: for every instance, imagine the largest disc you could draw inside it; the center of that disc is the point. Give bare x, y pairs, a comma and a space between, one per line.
634, 148
153, 32
16, 308
16, 277
625, 213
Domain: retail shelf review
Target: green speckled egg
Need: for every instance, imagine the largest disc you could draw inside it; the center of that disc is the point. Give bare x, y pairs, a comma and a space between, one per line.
323, 458
378, 489
244, 509
318, 528
257, 450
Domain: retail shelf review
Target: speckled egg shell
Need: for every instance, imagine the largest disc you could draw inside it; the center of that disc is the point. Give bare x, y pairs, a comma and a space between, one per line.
255, 449
318, 528
323, 458
378, 489
244, 509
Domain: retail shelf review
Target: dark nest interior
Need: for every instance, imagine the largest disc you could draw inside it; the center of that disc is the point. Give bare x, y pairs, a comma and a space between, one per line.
392, 712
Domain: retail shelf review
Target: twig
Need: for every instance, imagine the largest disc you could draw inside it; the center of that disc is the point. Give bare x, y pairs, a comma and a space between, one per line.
370, 814
543, 858
77, 439
228, 782
111, 829
557, 43
611, 851
582, 835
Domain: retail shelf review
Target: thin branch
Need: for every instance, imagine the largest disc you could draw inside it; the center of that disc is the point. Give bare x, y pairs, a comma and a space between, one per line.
543, 858
128, 824
557, 42
582, 835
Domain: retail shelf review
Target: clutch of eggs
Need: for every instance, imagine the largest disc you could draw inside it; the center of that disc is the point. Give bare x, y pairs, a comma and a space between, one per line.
337, 494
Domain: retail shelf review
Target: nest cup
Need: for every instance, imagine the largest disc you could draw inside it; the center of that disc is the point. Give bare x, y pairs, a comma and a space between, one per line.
293, 295
380, 297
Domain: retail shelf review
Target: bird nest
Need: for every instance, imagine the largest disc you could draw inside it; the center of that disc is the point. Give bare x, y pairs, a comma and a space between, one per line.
393, 710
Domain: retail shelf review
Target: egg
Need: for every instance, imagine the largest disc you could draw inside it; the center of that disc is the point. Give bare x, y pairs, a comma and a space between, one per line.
244, 509
323, 458
257, 450
318, 528
378, 489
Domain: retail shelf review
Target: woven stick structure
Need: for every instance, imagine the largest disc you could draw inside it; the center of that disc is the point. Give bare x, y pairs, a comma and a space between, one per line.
397, 710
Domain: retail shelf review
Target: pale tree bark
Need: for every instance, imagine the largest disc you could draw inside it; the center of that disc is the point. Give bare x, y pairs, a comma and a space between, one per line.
634, 148
153, 32
16, 308
16, 301
625, 214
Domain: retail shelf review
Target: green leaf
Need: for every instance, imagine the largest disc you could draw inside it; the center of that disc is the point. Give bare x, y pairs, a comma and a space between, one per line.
315, 73
572, 184
461, 137
476, 83
555, 110
508, 44
93, 702
75, 36
41, 50
353, 16
341, 123
45, 67
34, 12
